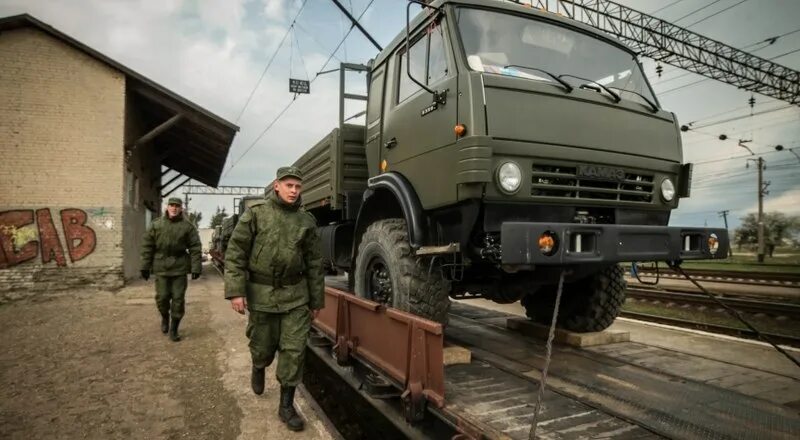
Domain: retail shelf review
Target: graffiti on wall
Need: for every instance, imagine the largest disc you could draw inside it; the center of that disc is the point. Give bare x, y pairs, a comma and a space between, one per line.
27, 233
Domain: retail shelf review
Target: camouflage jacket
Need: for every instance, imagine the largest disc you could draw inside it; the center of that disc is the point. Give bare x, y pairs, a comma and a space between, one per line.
274, 258
165, 245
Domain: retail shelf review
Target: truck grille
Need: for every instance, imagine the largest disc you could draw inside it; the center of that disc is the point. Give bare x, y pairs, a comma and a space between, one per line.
563, 181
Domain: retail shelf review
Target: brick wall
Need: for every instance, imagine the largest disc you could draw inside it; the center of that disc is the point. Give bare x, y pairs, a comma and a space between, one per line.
62, 173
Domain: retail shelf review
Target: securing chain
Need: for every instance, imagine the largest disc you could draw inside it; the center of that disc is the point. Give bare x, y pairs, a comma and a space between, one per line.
549, 352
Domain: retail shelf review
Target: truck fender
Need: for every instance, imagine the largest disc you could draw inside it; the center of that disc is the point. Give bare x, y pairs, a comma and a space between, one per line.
397, 187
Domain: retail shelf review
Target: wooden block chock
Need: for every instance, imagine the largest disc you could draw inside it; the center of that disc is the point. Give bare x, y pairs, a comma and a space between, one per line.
455, 355
534, 330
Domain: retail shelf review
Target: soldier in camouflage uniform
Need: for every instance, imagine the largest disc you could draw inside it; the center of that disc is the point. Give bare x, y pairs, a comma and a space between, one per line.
164, 253
273, 269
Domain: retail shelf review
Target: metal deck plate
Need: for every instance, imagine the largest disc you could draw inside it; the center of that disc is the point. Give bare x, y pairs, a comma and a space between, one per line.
671, 406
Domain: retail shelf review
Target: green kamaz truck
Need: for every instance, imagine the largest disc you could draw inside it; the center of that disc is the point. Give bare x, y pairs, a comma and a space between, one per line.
502, 145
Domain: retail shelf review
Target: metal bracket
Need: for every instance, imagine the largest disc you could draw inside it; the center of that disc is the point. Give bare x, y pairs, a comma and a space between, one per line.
439, 250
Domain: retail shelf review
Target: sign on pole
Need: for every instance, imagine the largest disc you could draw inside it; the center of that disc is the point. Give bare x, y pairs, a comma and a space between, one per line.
299, 86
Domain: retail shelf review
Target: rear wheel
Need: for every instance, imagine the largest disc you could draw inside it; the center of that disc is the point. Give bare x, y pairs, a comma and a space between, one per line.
588, 305
388, 272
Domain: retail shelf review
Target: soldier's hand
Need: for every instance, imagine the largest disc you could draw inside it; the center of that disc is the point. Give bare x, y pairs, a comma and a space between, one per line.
195, 275
239, 304
145, 274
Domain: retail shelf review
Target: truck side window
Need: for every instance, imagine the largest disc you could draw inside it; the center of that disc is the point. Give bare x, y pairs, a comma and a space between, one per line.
375, 98
406, 86
437, 60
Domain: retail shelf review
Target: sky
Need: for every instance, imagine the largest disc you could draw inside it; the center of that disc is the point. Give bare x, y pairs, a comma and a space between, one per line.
213, 52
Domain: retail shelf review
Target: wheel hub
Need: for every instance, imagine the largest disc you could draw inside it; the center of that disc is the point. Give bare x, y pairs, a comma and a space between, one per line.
379, 281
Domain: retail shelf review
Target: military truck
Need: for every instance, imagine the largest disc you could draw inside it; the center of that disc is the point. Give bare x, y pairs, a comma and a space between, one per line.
222, 233
502, 145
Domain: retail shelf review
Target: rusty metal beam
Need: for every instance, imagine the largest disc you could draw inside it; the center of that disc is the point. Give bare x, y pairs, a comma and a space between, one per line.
406, 348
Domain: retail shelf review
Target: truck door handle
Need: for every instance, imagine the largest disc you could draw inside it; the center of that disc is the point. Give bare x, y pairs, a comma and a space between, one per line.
391, 143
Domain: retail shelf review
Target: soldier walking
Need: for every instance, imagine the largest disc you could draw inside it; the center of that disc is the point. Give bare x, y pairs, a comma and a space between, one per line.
273, 269
164, 253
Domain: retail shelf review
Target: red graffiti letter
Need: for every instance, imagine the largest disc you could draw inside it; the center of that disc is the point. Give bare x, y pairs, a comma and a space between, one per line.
10, 223
48, 238
75, 229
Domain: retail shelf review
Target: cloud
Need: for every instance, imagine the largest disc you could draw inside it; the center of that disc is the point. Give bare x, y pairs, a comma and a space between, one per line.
787, 203
275, 9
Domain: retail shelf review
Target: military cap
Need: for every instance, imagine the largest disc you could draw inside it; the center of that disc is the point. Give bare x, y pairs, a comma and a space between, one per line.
175, 201
284, 172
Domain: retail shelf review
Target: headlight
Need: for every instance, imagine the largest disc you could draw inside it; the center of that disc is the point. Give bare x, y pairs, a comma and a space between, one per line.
667, 190
509, 177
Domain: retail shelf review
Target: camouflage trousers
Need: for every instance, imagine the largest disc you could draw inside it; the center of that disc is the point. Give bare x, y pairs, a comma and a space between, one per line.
284, 334
171, 295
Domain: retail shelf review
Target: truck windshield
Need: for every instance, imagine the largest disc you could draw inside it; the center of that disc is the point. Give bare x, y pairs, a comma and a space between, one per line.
512, 45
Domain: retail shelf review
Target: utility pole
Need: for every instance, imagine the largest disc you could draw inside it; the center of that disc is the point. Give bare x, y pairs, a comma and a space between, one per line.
762, 191
724, 215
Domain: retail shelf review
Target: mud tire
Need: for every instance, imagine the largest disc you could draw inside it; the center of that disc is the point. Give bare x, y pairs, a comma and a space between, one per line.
588, 305
413, 290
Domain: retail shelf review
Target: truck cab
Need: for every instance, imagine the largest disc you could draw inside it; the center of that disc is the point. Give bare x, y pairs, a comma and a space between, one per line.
502, 146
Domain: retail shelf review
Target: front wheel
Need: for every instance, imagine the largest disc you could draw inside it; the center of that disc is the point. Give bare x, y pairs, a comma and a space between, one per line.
388, 272
588, 305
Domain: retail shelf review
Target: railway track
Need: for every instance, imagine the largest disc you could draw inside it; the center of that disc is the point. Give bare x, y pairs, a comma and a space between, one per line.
729, 276
781, 339
748, 305
591, 394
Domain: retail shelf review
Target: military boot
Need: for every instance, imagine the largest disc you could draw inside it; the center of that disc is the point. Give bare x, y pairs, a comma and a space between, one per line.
173, 330
286, 411
257, 380
165, 323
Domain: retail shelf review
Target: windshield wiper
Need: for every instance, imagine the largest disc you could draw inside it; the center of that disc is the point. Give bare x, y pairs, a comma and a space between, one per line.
558, 79
652, 104
614, 96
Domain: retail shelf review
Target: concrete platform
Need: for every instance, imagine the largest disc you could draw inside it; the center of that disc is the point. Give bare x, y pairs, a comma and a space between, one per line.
534, 330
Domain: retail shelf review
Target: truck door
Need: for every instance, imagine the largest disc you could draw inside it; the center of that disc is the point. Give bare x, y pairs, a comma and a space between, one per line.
375, 118
414, 126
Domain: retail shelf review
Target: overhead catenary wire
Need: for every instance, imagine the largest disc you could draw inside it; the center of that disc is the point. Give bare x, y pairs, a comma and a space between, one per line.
665, 7
696, 11
715, 14
271, 59
289, 104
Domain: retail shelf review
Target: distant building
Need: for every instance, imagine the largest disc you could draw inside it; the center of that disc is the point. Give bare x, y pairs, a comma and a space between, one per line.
85, 143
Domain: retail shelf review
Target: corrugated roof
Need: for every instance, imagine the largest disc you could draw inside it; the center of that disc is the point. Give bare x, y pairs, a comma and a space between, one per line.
196, 145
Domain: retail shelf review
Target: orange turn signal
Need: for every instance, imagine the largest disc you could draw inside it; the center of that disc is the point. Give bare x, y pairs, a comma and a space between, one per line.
384, 166
460, 130
547, 243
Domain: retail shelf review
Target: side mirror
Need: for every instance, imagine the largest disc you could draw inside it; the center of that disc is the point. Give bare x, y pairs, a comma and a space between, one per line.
438, 97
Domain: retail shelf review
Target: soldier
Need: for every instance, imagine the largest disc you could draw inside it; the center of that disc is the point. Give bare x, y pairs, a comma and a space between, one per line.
273, 269
164, 253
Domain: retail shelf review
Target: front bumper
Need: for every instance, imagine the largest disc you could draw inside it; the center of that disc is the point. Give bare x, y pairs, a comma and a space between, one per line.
592, 243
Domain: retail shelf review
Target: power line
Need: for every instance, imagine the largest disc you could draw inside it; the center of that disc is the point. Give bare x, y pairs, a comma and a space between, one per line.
289, 104
665, 7
736, 118
271, 59
715, 14
322, 46
697, 10
787, 53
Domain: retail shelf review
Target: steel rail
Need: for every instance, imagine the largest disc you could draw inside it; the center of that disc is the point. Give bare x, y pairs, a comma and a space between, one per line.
741, 304
712, 328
